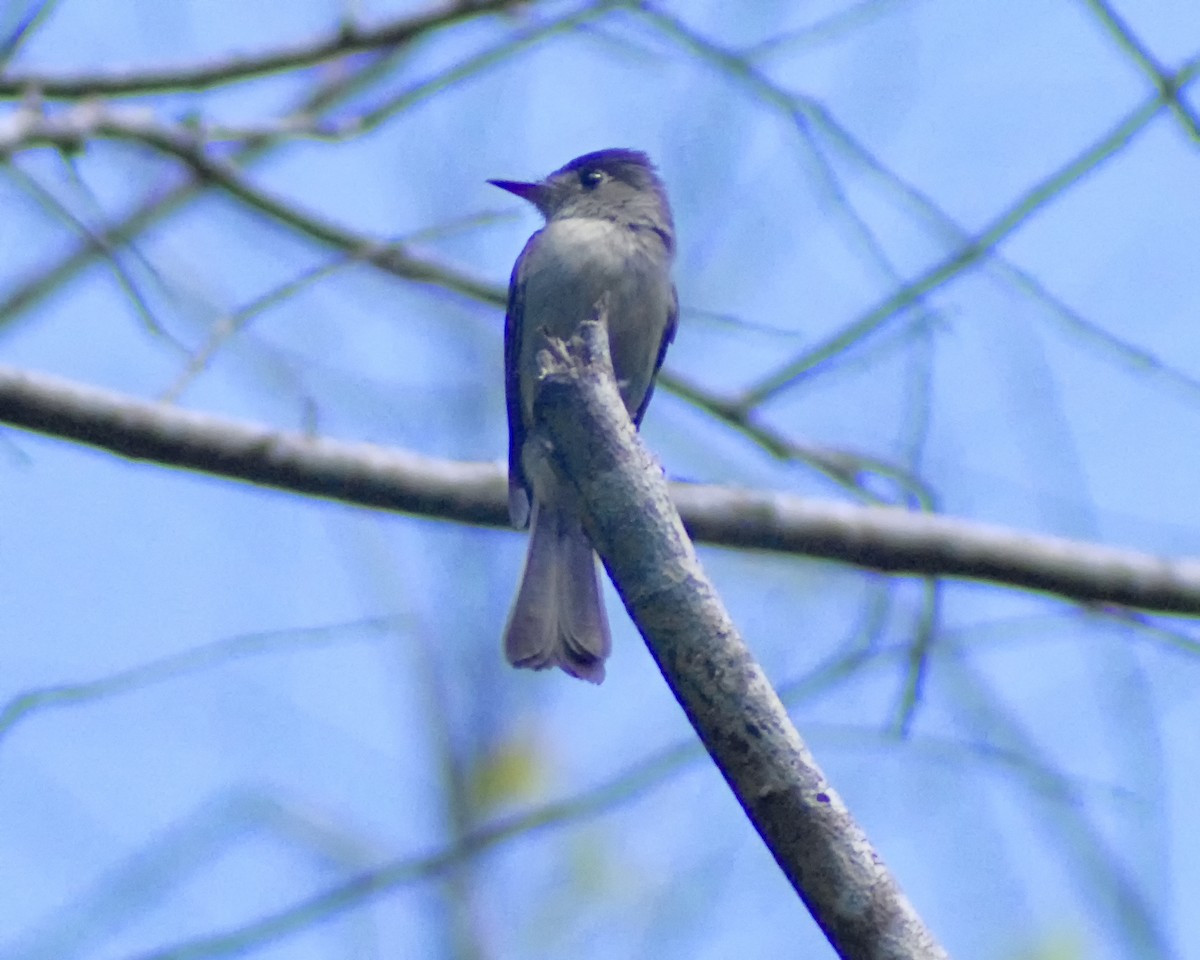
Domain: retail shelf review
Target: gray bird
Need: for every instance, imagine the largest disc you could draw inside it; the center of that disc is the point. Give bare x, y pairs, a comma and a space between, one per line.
608, 233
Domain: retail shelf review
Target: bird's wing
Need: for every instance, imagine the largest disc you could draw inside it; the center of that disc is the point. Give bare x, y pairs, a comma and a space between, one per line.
667, 336
518, 486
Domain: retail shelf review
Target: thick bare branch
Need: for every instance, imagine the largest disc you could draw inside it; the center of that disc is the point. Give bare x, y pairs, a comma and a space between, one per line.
639, 534
357, 473
880, 538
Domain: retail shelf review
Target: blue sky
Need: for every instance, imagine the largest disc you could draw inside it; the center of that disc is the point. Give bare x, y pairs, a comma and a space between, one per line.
331, 678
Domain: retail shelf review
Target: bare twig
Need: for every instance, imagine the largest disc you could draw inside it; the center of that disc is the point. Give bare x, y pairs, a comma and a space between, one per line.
173, 666
26, 26
1167, 84
70, 128
832, 27
920, 650
308, 115
1042, 779
344, 40
128, 283
972, 250
826, 178
844, 468
370, 884
33, 290
1016, 214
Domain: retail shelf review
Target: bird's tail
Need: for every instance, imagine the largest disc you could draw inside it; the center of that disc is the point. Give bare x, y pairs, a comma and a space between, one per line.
558, 619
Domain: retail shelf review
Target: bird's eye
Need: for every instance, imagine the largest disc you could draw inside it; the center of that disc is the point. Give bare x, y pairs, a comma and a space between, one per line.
590, 179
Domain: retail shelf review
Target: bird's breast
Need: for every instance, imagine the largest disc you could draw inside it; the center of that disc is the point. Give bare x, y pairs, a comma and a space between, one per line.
572, 265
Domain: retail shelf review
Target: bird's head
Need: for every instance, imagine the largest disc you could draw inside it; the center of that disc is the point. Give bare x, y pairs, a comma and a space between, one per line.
615, 184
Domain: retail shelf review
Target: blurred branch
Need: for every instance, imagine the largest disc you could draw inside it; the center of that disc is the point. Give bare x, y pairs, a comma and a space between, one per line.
977, 247
308, 115
1127, 914
887, 539
26, 26
304, 125
230, 324
455, 764
920, 650
70, 129
1168, 85
826, 177
635, 528
369, 884
343, 40
830, 28
36, 288
166, 863
641, 777
25, 705
845, 468
126, 280
67, 129
1166, 637
797, 108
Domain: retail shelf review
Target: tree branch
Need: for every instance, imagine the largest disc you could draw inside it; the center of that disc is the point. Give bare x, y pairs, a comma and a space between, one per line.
737, 714
880, 538
70, 129
342, 41
328, 94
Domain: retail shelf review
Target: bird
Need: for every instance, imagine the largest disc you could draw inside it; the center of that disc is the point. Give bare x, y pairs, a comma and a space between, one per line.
609, 234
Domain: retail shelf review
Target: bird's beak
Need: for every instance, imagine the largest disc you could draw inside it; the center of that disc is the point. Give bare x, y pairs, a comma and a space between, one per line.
533, 192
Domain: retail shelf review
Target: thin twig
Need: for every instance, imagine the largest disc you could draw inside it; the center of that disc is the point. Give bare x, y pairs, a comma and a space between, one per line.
70, 128
343, 41
1167, 84
971, 253
21, 300
791, 104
